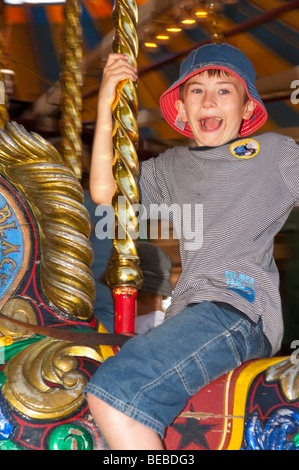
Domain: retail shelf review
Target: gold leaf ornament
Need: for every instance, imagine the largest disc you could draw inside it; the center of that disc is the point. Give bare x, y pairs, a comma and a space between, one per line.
287, 373
42, 381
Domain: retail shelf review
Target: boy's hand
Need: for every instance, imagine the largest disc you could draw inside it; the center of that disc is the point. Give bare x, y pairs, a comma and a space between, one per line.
117, 69
102, 184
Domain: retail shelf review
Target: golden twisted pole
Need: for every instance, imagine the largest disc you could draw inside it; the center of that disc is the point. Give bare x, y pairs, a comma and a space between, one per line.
4, 116
124, 275
71, 82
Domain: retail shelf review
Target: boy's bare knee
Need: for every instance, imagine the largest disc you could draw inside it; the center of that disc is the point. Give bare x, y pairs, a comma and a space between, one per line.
91, 398
96, 405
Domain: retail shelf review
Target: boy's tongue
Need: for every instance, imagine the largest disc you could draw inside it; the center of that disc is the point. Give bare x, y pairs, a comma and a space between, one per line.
211, 123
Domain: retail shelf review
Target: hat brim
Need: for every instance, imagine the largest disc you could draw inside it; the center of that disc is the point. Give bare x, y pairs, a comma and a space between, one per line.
172, 94
156, 284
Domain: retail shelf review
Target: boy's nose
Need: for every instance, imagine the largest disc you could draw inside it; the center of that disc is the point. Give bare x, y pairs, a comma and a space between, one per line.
209, 99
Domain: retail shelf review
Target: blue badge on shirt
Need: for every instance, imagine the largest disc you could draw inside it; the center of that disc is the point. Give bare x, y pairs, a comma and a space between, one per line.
241, 284
245, 148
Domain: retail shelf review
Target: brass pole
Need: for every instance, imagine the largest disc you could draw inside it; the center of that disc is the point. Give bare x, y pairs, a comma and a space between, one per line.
124, 275
4, 116
71, 83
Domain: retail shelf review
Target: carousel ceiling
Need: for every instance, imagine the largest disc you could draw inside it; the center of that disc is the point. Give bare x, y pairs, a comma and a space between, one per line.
266, 30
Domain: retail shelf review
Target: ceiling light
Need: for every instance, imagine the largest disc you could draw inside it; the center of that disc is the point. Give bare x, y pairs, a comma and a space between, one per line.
174, 29
201, 14
150, 45
188, 21
162, 37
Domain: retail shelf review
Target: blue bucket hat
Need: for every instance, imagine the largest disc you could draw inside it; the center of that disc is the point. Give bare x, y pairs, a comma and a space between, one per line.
215, 56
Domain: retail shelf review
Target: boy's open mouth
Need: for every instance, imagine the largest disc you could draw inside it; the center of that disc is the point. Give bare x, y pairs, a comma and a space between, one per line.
212, 123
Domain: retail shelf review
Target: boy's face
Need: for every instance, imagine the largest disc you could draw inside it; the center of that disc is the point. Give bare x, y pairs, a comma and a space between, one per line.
214, 107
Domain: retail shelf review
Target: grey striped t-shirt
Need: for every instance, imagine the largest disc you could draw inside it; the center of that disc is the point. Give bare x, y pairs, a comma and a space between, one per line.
227, 203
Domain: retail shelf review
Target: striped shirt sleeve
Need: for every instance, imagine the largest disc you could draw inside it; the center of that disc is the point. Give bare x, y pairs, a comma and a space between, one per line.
152, 187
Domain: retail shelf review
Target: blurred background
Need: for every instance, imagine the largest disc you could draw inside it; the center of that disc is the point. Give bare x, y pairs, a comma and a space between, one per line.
266, 30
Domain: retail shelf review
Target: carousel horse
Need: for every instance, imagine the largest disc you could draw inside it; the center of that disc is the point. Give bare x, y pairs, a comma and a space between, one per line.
47, 286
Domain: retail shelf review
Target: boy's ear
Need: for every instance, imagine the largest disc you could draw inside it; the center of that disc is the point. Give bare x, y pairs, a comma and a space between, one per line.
180, 107
249, 110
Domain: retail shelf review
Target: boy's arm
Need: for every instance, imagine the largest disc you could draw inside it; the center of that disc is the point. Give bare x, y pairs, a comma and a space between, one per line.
102, 184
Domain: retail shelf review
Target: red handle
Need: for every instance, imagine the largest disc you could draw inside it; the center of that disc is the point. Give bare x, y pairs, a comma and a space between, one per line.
124, 307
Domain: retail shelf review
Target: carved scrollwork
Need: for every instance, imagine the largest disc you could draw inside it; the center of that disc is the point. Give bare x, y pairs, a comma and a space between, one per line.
18, 309
56, 198
42, 381
288, 375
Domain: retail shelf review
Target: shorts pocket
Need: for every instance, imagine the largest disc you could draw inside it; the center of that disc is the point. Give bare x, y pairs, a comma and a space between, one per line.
216, 358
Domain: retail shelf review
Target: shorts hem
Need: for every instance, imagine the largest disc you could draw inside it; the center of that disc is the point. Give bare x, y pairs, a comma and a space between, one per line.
123, 407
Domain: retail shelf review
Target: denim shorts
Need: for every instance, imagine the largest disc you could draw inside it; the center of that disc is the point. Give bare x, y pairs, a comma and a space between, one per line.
152, 377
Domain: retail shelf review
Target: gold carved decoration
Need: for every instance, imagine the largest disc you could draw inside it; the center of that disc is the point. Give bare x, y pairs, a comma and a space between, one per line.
37, 170
124, 270
287, 373
41, 380
18, 309
30, 373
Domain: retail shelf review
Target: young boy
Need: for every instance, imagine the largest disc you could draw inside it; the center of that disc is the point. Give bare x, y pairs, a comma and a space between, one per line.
225, 307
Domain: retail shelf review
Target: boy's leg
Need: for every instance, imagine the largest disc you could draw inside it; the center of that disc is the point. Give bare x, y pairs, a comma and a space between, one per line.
120, 431
153, 376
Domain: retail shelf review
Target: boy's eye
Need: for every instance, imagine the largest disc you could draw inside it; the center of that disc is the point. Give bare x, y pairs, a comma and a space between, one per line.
224, 91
